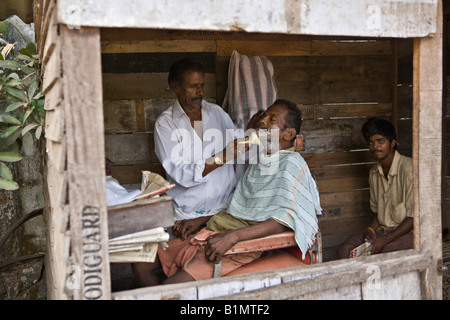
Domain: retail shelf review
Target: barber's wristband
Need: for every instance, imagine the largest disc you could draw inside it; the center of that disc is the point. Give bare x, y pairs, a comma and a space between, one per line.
371, 230
218, 161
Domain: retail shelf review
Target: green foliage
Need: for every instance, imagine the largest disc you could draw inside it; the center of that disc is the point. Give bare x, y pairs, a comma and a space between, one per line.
21, 105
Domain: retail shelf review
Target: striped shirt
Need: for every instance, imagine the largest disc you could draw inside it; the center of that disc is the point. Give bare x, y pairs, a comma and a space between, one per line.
283, 189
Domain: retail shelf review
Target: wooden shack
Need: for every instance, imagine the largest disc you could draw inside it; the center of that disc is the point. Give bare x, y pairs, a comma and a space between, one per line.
105, 66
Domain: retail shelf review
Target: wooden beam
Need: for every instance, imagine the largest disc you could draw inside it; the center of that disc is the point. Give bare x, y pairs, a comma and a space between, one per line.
83, 104
368, 18
303, 48
427, 154
136, 46
289, 283
345, 110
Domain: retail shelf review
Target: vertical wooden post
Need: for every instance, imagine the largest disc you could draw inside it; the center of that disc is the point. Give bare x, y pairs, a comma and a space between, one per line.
394, 90
427, 153
83, 99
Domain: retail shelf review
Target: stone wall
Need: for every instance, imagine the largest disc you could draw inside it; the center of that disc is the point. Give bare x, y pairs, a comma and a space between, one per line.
23, 279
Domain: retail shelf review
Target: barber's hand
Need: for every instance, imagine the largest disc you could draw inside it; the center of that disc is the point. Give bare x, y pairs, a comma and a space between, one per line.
218, 244
237, 147
185, 228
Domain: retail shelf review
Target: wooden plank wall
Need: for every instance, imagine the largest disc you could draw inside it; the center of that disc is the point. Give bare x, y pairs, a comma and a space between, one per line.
70, 160
336, 82
446, 127
56, 212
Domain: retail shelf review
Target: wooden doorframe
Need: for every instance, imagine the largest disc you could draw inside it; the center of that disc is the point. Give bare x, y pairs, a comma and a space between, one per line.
427, 152
83, 120
86, 176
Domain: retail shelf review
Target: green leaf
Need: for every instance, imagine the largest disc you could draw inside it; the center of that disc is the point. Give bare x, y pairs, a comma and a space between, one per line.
6, 118
10, 64
31, 48
27, 114
13, 75
13, 83
28, 144
29, 127
10, 156
8, 131
38, 132
38, 96
5, 172
27, 69
4, 28
8, 184
15, 105
24, 57
10, 140
17, 93
32, 89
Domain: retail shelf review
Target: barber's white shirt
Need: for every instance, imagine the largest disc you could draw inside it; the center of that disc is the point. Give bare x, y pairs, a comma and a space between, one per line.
182, 154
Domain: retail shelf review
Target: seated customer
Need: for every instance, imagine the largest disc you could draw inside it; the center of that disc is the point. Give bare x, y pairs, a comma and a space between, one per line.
391, 194
275, 194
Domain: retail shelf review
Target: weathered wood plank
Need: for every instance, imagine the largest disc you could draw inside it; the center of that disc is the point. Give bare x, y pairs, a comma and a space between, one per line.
343, 184
52, 70
427, 140
345, 110
287, 283
86, 161
303, 48
53, 97
135, 86
333, 135
330, 211
336, 158
48, 11
337, 274
125, 34
347, 197
119, 116
405, 286
342, 171
345, 225
140, 215
135, 46
153, 62
376, 18
57, 154
324, 80
54, 124
51, 39
133, 148
56, 268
